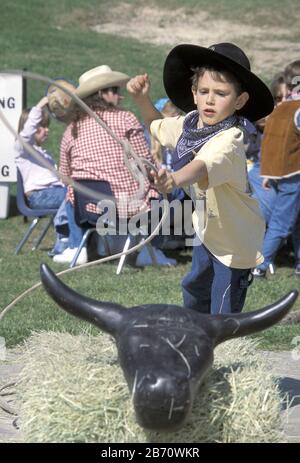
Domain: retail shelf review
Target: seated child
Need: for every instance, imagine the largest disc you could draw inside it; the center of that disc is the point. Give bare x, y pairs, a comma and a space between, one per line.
41, 186
215, 86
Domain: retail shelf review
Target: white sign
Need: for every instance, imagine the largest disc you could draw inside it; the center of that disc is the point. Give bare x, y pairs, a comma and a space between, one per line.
11, 105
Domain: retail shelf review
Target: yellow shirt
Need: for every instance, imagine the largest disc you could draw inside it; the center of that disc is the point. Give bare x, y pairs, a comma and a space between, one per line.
232, 227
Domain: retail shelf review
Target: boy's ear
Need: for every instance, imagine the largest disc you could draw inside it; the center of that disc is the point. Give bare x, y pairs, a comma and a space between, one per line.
194, 92
241, 100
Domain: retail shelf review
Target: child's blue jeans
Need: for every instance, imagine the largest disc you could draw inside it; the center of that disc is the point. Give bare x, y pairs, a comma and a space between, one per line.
47, 198
75, 231
211, 287
265, 198
284, 219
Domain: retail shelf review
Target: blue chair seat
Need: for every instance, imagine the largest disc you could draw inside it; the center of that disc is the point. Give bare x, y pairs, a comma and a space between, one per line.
37, 214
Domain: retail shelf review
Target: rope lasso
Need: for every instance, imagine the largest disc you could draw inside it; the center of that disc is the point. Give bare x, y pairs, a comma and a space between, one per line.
127, 148
138, 171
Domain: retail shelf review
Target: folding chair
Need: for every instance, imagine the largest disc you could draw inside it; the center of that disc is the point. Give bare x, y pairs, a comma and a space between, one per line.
89, 220
38, 214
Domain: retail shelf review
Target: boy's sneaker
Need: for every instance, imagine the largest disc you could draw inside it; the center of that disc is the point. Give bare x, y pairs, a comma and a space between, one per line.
258, 273
297, 270
68, 255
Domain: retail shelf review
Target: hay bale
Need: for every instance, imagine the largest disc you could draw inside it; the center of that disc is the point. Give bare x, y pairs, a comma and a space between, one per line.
73, 390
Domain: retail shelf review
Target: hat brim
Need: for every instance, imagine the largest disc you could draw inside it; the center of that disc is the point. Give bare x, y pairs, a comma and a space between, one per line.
100, 81
178, 72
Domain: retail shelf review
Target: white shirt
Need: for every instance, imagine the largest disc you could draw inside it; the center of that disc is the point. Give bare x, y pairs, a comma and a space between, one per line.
35, 175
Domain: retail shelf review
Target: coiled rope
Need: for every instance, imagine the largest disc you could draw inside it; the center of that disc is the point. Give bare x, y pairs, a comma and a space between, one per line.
135, 164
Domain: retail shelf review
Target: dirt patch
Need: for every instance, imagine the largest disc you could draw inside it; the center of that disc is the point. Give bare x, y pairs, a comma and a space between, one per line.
169, 28
159, 26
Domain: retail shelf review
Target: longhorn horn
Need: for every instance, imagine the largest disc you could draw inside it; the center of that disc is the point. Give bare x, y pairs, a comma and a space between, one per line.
105, 315
236, 325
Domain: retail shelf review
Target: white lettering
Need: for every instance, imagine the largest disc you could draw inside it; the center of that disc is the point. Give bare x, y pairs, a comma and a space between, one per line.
111, 453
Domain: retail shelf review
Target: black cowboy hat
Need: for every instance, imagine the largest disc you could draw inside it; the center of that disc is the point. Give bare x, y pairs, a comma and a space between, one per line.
178, 72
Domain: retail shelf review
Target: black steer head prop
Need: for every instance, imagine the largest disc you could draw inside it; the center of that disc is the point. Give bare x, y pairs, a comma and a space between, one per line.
164, 350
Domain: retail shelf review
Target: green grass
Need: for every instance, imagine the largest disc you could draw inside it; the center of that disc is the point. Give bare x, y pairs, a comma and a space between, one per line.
53, 38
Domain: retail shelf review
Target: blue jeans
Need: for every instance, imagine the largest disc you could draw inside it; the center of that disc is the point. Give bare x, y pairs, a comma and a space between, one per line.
211, 287
265, 198
75, 231
62, 229
284, 218
48, 198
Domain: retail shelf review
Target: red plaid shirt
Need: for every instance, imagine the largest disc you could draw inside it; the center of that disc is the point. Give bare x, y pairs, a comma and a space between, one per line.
94, 155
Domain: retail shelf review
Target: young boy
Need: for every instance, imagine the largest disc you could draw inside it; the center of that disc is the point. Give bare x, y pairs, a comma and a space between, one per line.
210, 155
280, 162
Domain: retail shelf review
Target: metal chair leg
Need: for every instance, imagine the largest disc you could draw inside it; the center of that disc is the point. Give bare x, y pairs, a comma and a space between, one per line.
27, 235
83, 242
123, 256
42, 235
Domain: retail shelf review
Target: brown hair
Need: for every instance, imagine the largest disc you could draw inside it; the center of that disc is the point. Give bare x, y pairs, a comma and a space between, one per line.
221, 75
45, 122
290, 73
278, 80
96, 103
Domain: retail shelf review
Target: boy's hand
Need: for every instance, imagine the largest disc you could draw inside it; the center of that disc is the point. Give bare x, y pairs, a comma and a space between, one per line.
43, 102
163, 180
139, 85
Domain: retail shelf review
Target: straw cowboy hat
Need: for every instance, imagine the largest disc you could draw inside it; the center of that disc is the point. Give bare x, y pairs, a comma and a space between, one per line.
98, 78
58, 101
183, 58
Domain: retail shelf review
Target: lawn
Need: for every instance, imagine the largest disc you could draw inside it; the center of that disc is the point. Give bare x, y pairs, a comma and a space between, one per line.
54, 39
